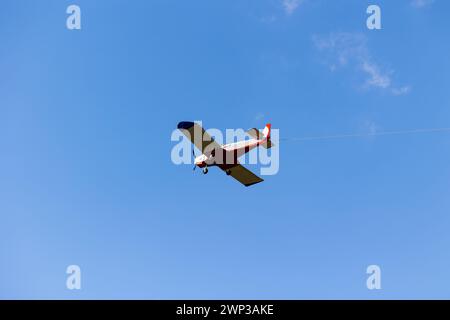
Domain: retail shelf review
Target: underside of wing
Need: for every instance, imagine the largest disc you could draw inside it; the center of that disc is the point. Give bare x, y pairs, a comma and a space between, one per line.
243, 175
198, 136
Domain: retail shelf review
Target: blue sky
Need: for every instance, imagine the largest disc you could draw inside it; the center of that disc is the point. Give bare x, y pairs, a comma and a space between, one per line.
86, 176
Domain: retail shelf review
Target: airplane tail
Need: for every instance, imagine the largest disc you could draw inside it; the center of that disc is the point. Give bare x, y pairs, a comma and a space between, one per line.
255, 133
266, 131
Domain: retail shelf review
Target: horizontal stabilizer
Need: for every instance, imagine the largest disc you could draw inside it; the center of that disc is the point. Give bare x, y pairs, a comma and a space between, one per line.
256, 134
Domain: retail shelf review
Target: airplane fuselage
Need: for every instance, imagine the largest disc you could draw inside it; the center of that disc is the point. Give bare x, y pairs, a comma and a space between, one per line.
228, 155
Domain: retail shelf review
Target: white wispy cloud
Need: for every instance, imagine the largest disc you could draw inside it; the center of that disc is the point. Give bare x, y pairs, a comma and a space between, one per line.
345, 49
421, 3
291, 5
375, 77
401, 90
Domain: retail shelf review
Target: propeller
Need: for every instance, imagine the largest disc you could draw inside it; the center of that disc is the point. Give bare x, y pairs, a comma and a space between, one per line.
193, 154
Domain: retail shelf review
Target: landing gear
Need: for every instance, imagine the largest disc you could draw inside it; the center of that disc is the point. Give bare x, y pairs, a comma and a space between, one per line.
205, 170
228, 172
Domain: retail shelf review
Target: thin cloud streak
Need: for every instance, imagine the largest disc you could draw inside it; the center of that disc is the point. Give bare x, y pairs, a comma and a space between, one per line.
370, 134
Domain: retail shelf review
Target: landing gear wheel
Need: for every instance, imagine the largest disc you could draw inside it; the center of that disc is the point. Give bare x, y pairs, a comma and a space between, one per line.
205, 170
228, 172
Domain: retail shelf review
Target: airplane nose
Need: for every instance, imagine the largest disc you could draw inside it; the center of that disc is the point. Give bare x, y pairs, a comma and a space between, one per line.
200, 164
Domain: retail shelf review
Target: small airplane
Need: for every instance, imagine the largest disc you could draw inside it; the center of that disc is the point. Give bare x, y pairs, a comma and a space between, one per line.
225, 156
